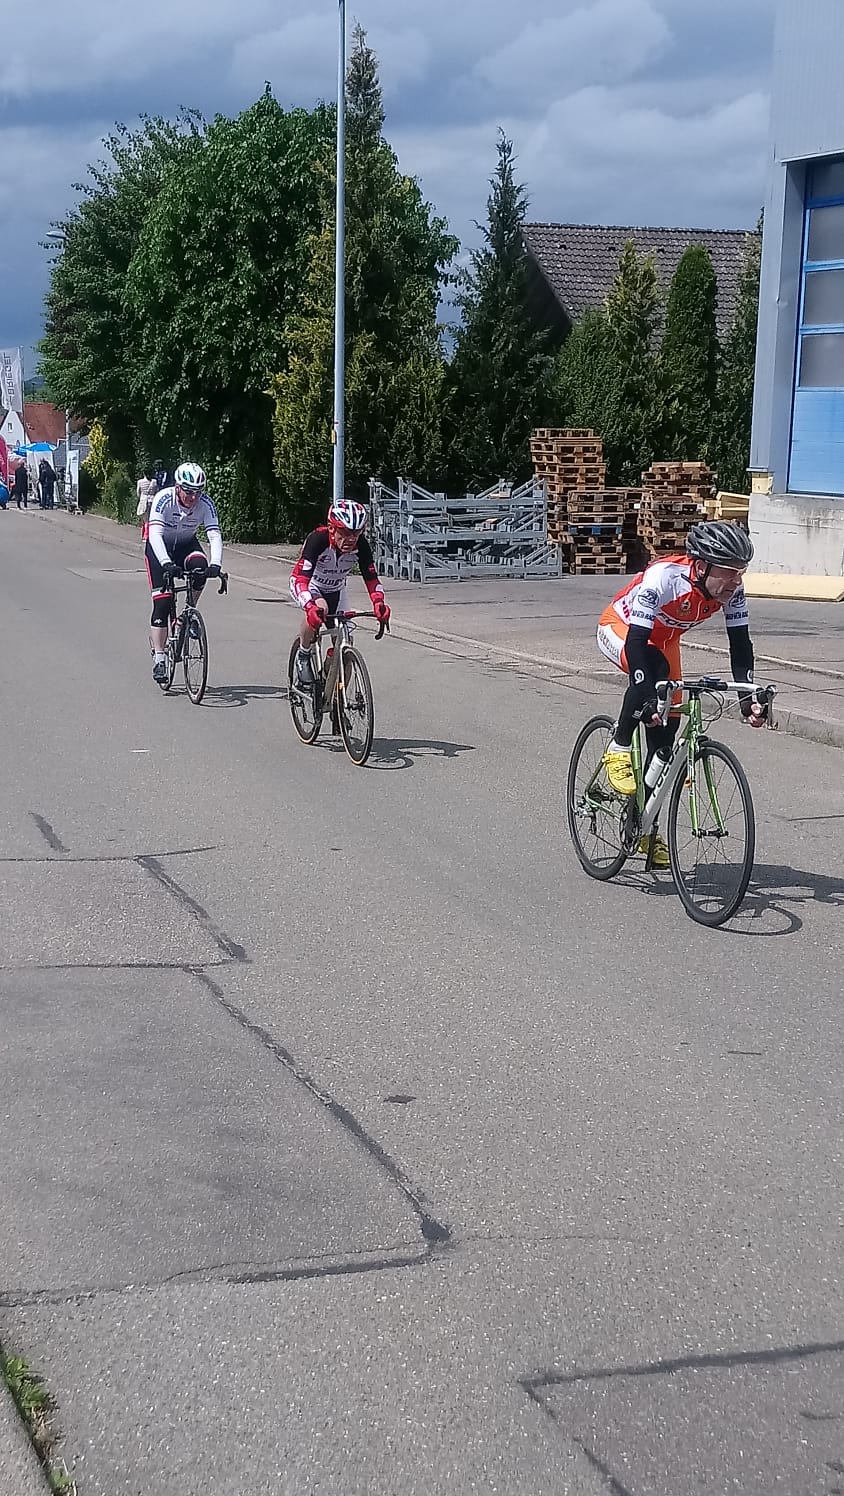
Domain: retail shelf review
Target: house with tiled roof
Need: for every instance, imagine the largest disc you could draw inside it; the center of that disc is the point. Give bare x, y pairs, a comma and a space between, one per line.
573, 265
44, 422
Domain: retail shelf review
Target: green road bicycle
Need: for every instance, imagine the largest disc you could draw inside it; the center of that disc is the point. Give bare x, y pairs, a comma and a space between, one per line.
711, 828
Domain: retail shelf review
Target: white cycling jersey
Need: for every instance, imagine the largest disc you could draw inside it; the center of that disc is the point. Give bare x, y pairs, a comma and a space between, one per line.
170, 521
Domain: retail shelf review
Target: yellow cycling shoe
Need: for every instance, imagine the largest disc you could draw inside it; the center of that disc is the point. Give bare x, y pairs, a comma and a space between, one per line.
618, 763
660, 859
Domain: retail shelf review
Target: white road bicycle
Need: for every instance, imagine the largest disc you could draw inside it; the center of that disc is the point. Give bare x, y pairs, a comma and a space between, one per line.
341, 686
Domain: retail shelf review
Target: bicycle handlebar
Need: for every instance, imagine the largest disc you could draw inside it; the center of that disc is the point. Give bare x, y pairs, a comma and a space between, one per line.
762, 695
664, 688
331, 618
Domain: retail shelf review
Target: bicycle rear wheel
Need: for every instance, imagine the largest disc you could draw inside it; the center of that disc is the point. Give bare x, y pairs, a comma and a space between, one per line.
170, 657
595, 812
195, 656
305, 703
355, 707
712, 835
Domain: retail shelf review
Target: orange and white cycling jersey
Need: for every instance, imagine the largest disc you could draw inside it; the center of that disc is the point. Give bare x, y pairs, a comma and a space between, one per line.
664, 600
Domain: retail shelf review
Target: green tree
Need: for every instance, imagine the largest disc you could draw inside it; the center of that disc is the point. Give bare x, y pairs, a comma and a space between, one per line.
689, 357
499, 377
633, 309
587, 384
606, 371
217, 271
397, 255
88, 353
731, 430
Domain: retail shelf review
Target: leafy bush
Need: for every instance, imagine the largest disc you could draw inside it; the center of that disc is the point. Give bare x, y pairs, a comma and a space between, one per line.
119, 499
248, 506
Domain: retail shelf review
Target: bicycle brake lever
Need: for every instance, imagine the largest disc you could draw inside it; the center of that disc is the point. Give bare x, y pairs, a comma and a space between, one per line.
382, 628
224, 582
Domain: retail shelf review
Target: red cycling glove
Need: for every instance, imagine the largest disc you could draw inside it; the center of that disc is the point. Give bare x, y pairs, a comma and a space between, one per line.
381, 609
314, 615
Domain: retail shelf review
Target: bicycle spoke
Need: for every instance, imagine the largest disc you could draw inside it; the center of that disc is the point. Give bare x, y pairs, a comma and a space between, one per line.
594, 810
195, 657
712, 835
355, 707
305, 704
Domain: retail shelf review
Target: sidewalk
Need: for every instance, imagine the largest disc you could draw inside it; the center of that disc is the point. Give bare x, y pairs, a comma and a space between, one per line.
548, 626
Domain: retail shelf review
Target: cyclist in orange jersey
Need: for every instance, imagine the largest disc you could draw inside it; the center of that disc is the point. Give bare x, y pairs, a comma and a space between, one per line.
641, 629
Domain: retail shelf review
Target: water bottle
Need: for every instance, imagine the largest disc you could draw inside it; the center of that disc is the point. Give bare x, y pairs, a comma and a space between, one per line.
656, 766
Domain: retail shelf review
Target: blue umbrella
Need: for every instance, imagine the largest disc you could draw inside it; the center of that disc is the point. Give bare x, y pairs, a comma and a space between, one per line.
32, 447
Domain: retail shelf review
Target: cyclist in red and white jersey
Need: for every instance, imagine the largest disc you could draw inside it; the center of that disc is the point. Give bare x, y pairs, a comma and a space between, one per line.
318, 580
641, 629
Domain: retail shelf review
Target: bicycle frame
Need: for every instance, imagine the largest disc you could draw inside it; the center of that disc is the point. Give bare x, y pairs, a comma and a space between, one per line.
341, 637
690, 734
177, 622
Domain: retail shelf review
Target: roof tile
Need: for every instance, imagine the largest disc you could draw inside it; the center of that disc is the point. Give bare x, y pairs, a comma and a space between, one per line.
579, 261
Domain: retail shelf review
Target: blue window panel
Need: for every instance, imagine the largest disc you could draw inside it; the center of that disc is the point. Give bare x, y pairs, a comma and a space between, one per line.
817, 442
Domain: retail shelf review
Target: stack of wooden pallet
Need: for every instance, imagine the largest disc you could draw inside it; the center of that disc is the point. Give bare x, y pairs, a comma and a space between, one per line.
732, 506
566, 459
595, 521
672, 500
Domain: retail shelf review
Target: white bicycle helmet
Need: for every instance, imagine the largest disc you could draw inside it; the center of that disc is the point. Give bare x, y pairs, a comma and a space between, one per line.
348, 515
190, 475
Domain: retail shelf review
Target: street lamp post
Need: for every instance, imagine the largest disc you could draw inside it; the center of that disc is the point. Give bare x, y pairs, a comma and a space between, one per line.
68, 481
339, 427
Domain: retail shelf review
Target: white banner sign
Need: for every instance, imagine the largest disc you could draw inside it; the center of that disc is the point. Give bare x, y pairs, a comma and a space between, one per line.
71, 482
11, 379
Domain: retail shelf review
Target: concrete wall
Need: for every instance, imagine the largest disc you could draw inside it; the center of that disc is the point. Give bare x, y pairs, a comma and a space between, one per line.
797, 534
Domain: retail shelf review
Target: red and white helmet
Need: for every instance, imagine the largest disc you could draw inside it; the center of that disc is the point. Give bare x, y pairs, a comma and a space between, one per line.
348, 516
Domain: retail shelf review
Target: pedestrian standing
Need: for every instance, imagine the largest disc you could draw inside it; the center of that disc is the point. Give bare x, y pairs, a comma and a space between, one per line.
146, 488
46, 484
20, 487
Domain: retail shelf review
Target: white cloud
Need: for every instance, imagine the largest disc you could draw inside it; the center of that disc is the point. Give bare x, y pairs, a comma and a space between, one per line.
619, 110
100, 42
604, 42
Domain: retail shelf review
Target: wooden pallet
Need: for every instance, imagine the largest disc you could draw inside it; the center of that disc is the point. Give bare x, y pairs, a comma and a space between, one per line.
598, 566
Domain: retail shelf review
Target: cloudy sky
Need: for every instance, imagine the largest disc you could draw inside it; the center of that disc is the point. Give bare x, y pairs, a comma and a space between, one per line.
621, 111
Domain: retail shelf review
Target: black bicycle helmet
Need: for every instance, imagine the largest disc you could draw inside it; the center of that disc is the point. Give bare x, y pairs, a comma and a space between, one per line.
719, 543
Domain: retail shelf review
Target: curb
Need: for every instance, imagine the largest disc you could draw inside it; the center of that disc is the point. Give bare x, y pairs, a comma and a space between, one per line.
798, 724
20, 1468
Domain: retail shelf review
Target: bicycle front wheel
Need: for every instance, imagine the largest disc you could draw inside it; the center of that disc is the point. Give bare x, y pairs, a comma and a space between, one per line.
305, 702
355, 707
595, 812
712, 835
195, 656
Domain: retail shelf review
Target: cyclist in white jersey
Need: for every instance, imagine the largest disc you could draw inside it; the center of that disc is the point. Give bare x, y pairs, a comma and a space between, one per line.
172, 548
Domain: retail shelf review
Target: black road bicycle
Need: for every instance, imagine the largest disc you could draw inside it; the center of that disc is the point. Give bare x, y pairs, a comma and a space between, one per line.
187, 638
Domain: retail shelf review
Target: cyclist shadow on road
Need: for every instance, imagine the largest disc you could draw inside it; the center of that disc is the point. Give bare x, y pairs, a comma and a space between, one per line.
228, 696
774, 895
771, 902
402, 753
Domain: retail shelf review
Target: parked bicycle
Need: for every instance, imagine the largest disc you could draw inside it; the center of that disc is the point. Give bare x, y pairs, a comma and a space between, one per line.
711, 828
341, 686
187, 639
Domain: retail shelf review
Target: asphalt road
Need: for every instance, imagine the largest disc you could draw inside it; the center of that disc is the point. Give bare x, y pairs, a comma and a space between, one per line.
351, 1139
